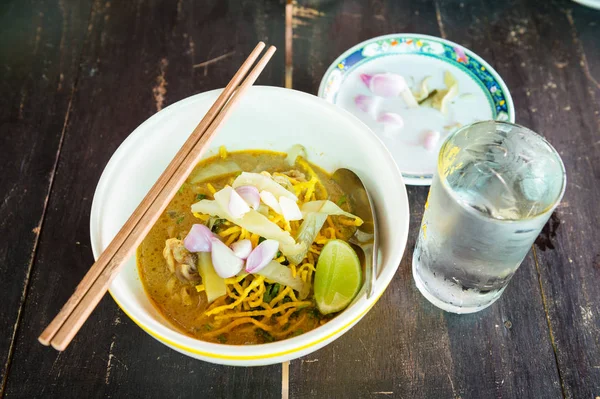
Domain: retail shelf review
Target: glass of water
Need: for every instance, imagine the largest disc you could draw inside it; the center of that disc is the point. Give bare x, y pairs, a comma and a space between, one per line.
496, 186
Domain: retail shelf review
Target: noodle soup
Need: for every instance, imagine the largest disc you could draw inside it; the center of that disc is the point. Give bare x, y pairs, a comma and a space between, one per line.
243, 273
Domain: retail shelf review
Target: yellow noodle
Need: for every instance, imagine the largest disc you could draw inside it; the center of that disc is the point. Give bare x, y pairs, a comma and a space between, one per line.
235, 279
310, 189
285, 317
292, 328
332, 233
231, 230
259, 300
286, 226
217, 302
238, 288
330, 222
270, 312
200, 287
349, 222
308, 266
293, 267
222, 152
314, 250
293, 296
279, 297
280, 259
230, 293
231, 239
236, 323
254, 239
256, 296
211, 188
201, 216
250, 287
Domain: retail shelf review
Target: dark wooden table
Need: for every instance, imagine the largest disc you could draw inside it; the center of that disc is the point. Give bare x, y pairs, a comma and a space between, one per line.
77, 76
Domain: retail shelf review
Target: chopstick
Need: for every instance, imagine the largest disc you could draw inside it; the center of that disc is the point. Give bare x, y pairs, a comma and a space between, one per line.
92, 288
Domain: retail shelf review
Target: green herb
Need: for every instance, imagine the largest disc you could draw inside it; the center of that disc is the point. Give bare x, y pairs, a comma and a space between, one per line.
271, 292
429, 97
314, 313
261, 239
180, 219
278, 254
208, 327
298, 332
264, 335
181, 188
222, 338
216, 224
200, 197
343, 199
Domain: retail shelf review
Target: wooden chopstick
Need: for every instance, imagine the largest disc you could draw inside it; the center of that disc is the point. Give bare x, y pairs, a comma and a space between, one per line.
89, 292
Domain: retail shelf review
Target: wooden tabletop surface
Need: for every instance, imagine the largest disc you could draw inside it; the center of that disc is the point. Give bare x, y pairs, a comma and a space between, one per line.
77, 76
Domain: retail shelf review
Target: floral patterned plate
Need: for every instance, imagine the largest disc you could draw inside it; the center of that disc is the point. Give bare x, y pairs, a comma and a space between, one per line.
482, 94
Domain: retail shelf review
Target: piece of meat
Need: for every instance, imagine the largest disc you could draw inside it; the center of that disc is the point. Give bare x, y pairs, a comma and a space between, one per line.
284, 182
296, 174
180, 261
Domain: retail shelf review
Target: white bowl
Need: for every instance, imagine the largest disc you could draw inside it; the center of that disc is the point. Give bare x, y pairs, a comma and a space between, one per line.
266, 118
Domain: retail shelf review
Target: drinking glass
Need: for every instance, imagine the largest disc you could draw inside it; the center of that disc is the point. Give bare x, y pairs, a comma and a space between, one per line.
496, 185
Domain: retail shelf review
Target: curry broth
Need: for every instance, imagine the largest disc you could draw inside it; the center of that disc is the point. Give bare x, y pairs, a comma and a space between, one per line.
179, 302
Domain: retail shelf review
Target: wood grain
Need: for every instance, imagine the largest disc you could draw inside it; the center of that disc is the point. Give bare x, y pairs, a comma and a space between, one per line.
540, 340
564, 106
405, 347
97, 280
139, 57
40, 46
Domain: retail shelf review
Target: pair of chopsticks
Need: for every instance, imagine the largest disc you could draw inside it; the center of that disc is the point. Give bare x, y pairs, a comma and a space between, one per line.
95, 283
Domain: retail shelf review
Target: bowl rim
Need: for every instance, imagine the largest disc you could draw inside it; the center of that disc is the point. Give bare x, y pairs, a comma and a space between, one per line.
330, 330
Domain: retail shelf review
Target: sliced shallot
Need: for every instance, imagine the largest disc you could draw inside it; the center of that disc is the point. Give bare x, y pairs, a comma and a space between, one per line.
225, 262
391, 118
430, 140
198, 239
261, 255
364, 103
289, 209
385, 84
242, 248
392, 123
368, 104
237, 206
250, 195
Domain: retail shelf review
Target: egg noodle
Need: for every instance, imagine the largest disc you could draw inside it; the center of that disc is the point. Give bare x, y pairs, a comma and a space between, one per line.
244, 304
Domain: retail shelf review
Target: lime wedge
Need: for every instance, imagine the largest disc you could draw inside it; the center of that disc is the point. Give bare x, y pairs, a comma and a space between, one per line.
338, 277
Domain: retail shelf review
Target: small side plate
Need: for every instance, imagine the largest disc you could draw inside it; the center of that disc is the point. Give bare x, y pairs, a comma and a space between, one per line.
483, 95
